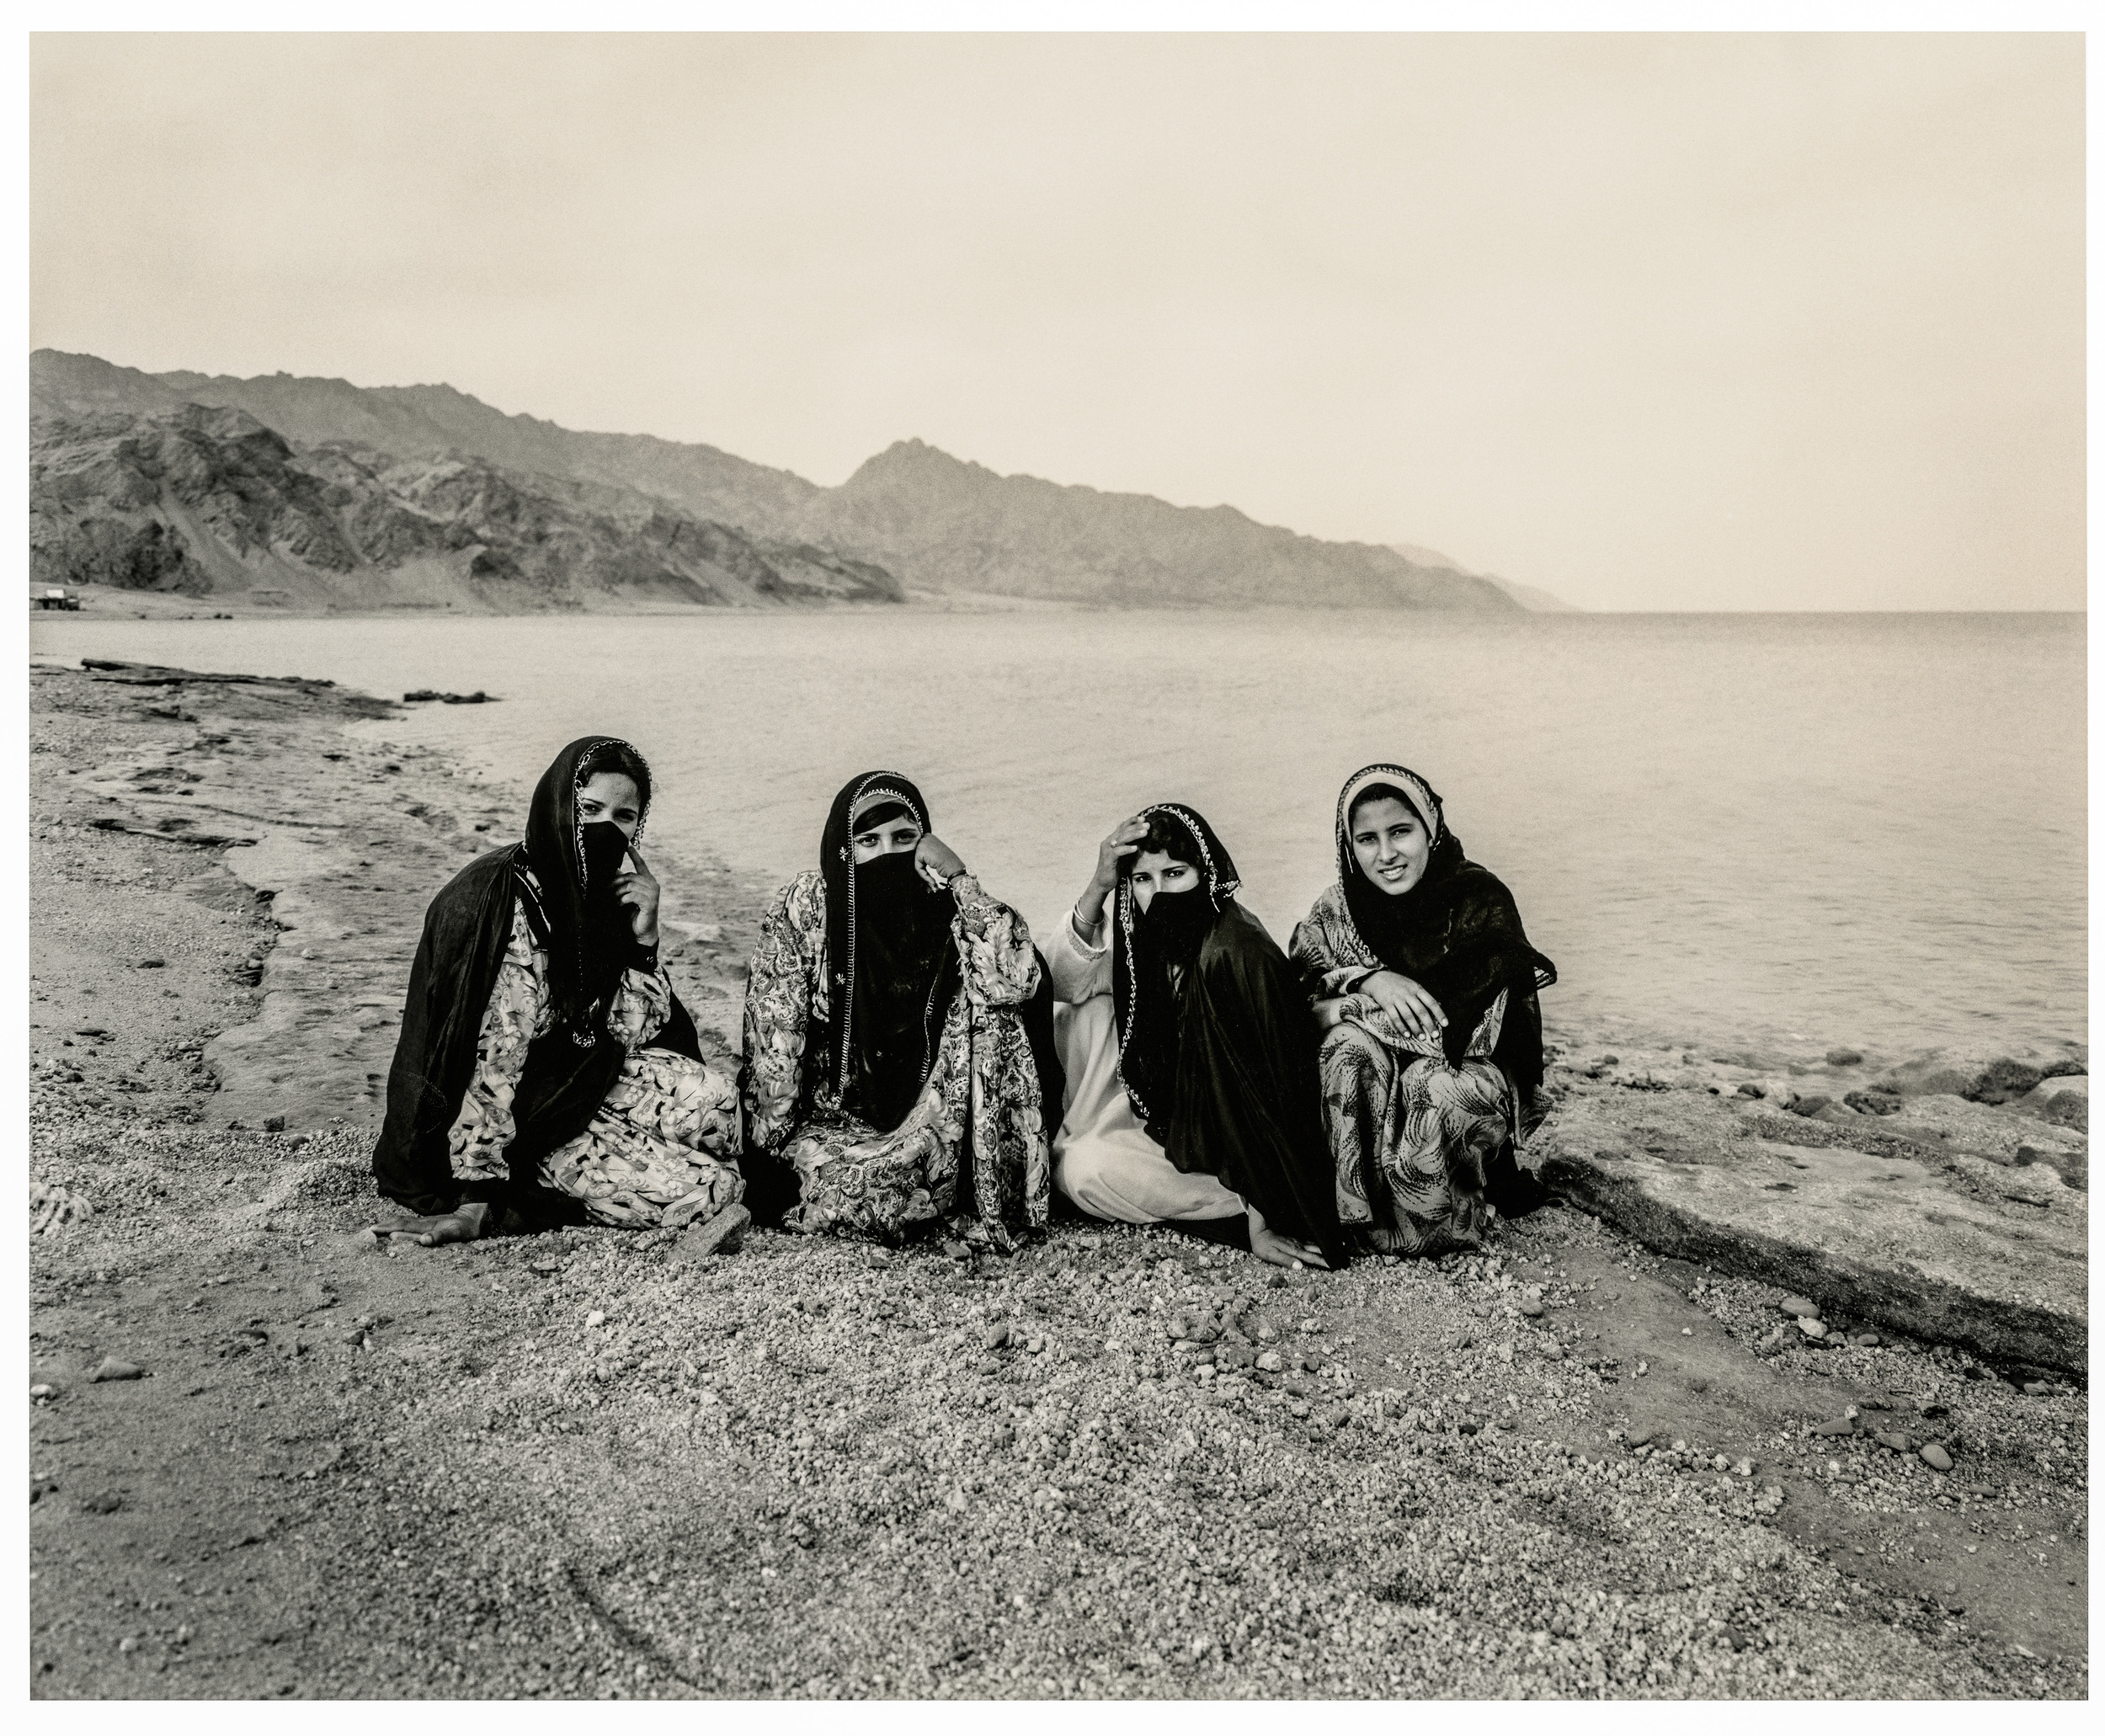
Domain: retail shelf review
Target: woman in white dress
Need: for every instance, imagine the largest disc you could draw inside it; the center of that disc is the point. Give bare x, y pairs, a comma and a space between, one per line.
1191, 1093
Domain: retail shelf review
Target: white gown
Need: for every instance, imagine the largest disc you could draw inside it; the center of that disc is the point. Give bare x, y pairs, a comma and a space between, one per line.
1102, 1158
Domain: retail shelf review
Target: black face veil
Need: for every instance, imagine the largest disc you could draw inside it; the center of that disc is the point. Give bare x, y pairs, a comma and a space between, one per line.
891, 952
588, 936
1154, 950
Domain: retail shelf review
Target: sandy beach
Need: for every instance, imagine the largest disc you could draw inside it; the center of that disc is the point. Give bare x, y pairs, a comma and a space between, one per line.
273, 1455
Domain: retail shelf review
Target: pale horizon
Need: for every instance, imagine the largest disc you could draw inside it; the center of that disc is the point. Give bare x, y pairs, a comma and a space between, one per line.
1653, 323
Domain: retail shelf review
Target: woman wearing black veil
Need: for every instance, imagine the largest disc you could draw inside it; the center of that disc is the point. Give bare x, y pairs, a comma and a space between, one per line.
1191, 1086
1425, 982
895, 1031
547, 1074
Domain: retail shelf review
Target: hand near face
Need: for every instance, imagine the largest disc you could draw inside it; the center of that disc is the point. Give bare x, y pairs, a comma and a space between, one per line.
937, 862
636, 890
1124, 840
1407, 1002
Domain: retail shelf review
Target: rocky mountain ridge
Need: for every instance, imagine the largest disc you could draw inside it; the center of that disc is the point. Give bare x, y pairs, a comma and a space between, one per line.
936, 524
211, 502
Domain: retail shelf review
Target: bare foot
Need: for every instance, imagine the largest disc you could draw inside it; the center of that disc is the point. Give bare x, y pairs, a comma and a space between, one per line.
1268, 1244
464, 1225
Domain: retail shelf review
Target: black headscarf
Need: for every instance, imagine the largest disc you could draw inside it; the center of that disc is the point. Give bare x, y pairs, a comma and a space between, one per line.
589, 937
1457, 931
465, 932
892, 955
1216, 1047
1157, 948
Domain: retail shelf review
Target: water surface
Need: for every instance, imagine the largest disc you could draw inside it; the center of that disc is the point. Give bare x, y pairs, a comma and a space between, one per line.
1800, 829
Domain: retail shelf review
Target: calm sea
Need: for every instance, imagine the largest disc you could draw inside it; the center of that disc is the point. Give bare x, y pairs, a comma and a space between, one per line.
1787, 830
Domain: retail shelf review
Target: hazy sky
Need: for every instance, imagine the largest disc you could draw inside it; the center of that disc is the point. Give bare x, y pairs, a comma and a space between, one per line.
1657, 322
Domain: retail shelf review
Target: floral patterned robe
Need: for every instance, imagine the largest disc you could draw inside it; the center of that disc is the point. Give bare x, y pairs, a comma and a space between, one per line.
663, 1149
980, 1099
1411, 1135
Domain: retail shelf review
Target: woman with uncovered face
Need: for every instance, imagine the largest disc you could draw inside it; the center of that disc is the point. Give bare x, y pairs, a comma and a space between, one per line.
1191, 1093
547, 1074
1424, 983
891, 1080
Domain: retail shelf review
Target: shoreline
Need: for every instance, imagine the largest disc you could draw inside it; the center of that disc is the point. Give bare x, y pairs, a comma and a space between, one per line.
412, 1435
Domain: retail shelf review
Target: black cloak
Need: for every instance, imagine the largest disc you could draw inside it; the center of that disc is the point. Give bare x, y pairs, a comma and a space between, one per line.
1237, 1051
466, 930
1457, 932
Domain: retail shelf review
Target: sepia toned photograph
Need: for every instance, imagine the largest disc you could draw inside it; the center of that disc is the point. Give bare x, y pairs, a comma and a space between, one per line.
1057, 867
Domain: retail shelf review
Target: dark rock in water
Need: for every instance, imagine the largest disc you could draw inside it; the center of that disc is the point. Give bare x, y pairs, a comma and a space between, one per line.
2003, 1082
1844, 1057
2066, 1068
1808, 1106
1875, 1102
1981, 1076
426, 695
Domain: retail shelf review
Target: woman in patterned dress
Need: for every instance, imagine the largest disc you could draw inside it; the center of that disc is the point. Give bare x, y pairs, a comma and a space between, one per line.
1425, 985
1193, 1099
547, 1074
892, 1081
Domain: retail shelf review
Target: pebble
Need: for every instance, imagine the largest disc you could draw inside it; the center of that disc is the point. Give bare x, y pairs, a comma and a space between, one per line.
110, 1368
1844, 1057
1890, 1441
1811, 1328
2037, 1389
1866, 1341
997, 1336
596, 1318
1747, 1089
1936, 1457
1531, 1308
1269, 1362
42, 1389
1803, 1307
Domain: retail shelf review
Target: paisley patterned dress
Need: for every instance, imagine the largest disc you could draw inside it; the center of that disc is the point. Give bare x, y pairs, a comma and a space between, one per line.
1411, 1135
972, 1153
662, 1149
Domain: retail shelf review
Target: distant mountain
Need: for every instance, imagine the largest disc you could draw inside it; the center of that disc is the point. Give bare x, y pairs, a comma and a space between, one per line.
954, 526
940, 524
211, 502
1530, 597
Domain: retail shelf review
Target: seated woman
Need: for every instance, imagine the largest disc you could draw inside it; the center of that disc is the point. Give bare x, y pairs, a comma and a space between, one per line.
1425, 981
891, 1080
547, 1074
1191, 1087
